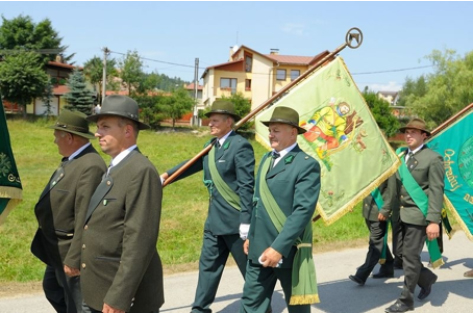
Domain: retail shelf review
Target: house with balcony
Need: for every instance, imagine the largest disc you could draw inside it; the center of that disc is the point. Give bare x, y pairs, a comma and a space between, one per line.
255, 75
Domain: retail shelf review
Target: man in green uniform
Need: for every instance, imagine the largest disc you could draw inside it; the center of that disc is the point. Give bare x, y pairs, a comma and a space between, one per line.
229, 176
279, 245
61, 210
121, 270
377, 209
421, 181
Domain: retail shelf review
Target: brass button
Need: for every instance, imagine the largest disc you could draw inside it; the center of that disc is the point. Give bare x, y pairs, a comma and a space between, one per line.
108, 183
83, 246
402, 207
61, 175
83, 265
86, 227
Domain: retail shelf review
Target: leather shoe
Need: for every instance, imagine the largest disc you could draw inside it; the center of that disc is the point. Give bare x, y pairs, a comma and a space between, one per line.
397, 264
425, 292
383, 275
468, 273
398, 307
356, 280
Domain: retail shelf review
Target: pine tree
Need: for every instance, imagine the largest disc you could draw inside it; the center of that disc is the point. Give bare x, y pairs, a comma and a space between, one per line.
79, 98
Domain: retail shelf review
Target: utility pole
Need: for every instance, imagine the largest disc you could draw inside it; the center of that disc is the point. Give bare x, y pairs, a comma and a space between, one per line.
104, 78
195, 121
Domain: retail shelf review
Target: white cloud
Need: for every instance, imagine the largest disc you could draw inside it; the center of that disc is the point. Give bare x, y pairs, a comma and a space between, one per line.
391, 86
293, 28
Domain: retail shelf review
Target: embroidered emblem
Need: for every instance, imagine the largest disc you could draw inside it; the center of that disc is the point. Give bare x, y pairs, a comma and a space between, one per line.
226, 145
288, 159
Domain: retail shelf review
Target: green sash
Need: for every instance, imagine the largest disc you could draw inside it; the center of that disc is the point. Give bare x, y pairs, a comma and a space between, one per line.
225, 191
422, 202
376, 194
304, 283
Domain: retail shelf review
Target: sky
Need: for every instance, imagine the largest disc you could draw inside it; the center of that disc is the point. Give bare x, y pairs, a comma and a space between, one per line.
397, 36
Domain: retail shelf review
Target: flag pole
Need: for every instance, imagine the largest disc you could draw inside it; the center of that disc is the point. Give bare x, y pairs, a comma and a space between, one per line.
451, 120
353, 34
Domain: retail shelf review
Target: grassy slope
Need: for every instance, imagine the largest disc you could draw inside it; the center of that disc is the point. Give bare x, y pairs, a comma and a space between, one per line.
184, 202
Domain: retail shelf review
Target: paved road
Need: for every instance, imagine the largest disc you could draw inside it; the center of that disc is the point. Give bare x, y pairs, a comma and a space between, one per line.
451, 294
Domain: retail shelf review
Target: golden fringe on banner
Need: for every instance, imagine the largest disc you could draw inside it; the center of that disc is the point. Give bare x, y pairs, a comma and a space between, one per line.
452, 210
305, 299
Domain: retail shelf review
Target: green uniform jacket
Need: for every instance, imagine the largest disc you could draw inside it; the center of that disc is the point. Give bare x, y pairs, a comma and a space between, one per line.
388, 192
429, 172
62, 206
120, 262
295, 185
235, 162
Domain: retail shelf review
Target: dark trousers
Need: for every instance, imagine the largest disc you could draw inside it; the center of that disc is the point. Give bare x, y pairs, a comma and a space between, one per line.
397, 241
413, 237
213, 257
259, 287
377, 232
62, 292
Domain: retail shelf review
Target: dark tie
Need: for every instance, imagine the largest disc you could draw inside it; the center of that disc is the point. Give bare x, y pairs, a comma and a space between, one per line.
274, 155
410, 160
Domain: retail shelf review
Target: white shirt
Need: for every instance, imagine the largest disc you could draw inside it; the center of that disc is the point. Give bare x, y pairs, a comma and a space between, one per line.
413, 152
222, 140
120, 157
283, 152
72, 156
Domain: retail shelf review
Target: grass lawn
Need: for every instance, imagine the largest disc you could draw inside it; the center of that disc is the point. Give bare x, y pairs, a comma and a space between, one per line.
184, 202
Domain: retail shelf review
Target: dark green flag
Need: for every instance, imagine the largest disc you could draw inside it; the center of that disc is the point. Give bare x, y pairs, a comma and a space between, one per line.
10, 184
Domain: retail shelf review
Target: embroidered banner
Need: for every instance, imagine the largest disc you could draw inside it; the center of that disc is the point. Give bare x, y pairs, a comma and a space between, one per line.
341, 134
455, 144
10, 184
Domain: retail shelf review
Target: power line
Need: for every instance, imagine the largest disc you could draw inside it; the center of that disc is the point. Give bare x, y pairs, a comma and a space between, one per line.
392, 71
274, 74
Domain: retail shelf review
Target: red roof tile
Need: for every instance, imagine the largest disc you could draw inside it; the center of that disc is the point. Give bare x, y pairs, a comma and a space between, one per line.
289, 59
191, 87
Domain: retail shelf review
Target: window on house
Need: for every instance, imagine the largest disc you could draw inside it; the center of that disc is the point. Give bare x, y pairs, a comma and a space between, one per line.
228, 84
247, 84
295, 74
281, 75
248, 63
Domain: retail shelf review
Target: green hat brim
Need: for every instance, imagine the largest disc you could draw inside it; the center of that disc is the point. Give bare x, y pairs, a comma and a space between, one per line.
300, 130
88, 135
94, 118
235, 117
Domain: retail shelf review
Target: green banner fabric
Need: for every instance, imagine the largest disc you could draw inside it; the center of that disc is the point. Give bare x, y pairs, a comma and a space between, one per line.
341, 134
10, 184
455, 144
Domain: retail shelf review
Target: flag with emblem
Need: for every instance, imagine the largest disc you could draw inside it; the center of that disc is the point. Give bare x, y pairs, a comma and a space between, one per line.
342, 135
10, 184
454, 141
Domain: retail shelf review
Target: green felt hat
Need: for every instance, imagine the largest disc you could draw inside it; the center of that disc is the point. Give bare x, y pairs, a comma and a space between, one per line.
223, 107
123, 106
285, 115
73, 122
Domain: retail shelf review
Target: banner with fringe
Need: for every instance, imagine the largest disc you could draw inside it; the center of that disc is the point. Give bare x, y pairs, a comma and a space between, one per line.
455, 144
10, 184
341, 134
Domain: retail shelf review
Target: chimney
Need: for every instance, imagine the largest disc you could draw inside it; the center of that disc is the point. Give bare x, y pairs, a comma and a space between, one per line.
274, 51
233, 49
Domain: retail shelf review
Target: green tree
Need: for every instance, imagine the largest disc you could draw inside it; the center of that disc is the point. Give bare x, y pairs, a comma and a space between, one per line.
131, 71
93, 71
22, 78
21, 33
177, 105
382, 113
79, 97
150, 108
447, 90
